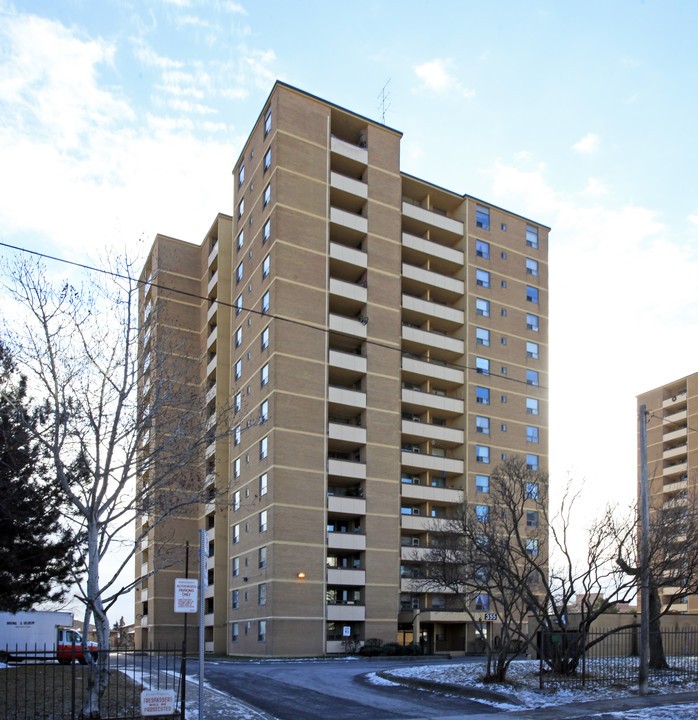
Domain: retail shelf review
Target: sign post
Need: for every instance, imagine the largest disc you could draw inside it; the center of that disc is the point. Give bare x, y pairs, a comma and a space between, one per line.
203, 584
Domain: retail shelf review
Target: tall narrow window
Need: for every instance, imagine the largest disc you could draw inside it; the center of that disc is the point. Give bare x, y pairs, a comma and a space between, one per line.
531, 236
267, 123
238, 432
241, 209
236, 533
235, 600
238, 304
262, 631
482, 217
263, 448
236, 468
266, 264
262, 594
263, 521
238, 369
482, 249
241, 173
236, 566
265, 302
263, 484
236, 500
266, 233
241, 239
264, 411
238, 337
267, 159
262, 557
265, 338
238, 402
267, 195
264, 375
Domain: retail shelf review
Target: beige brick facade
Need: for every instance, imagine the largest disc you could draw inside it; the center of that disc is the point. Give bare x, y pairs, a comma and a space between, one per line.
365, 318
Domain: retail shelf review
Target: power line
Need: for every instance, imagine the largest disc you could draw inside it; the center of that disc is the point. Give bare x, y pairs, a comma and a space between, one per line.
300, 323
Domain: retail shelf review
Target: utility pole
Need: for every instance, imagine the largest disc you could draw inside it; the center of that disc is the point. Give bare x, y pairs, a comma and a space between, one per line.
644, 553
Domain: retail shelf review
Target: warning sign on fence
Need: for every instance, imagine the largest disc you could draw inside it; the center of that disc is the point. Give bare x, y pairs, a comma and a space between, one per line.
158, 702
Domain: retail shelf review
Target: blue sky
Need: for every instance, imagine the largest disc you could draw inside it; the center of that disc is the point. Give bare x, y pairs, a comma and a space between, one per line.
121, 119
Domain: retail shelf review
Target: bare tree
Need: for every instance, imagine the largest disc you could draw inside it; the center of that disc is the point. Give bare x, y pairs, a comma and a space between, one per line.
673, 561
85, 351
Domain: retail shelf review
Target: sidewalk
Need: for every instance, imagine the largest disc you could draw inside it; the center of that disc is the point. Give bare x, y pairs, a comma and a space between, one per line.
219, 706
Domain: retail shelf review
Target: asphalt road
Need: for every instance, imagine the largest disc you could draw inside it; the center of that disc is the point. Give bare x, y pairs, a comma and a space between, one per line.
336, 689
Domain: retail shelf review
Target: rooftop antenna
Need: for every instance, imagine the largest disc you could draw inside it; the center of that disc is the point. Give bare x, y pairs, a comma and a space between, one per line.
384, 98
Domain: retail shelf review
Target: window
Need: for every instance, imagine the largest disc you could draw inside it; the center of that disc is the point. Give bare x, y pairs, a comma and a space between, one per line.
238, 304
531, 489
503, 427
482, 513
238, 273
503, 399
531, 547
482, 365
264, 374
267, 123
504, 283
482, 217
482, 278
263, 448
482, 603
238, 402
262, 484
532, 294
235, 600
532, 518
266, 232
236, 534
236, 566
531, 406
532, 462
503, 313
532, 322
263, 521
241, 173
531, 236
236, 500
482, 425
532, 377
238, 337
236, 467
267, 195
482, 454
482, 483
267, 159
266, 263
238, 431
265, 338
482, 249
482, 337
238, 369
531, 267
482, 395
532, 350
262, 594
504, 341
265, 302
504, 227
262, 631
241, 239
482, 307
531, 434
235, 631
262, 557
264, 411
241, 209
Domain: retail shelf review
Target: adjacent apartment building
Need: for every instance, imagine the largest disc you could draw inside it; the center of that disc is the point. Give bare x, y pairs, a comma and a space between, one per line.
383, 343
672, 454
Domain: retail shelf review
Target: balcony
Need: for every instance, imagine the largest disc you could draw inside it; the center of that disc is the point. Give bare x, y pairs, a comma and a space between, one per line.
346, 296
675, 486
210, 592
432, 401
442, 285
212, 282
350, 362
212, 338
346, 613
342, 576
675, 435
347, 326
414, 554
435, 463
345, 433
675, 452
675, 417
427, 431
144, 621
432, 494
349, 150
350, 255
433, 219
211, 367
212, 310
423, 523
213, 254
678, 469
677, 399
346, 396
144, 594
346, 541
447, 258
425, 339
422, 368
448, 316
348, 185
346, 505
210, 394
348, 220
346, 468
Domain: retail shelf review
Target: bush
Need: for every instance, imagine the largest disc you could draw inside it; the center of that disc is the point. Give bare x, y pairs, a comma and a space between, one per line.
375, 647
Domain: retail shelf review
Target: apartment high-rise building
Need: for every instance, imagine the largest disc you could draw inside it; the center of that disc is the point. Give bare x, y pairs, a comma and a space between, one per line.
672, 455
383, 343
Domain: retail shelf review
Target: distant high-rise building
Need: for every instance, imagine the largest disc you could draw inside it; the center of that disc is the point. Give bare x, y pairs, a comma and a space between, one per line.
384, 344
672, 455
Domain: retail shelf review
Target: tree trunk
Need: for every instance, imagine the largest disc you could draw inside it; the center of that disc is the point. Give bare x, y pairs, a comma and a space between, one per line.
657, 660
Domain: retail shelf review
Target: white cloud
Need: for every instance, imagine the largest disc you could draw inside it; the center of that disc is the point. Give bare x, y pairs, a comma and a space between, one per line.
588, 144
233, 7
595, 187
436, 76
693, 219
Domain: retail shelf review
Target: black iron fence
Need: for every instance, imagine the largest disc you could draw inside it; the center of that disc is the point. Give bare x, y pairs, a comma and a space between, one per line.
35, 685
574, 659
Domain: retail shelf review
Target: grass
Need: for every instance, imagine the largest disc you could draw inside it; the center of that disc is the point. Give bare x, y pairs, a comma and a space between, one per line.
46, 691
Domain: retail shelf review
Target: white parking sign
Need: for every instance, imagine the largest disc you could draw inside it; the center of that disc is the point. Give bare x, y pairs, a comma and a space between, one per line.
185, 595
